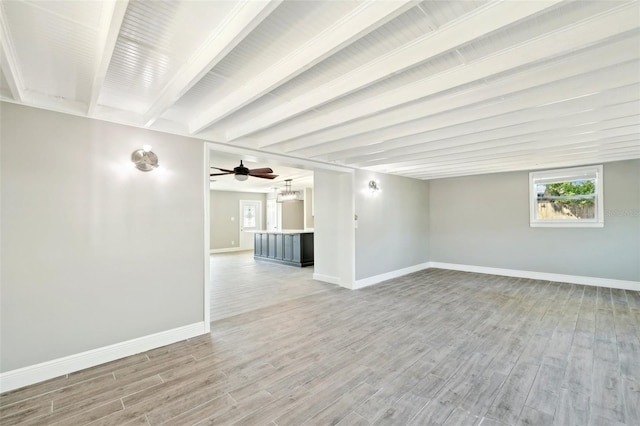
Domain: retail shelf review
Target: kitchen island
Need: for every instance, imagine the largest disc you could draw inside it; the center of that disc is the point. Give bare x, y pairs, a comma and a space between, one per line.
291, 247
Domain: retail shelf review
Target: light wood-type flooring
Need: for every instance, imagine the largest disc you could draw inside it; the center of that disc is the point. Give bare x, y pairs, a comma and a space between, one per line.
241, 284
431, 348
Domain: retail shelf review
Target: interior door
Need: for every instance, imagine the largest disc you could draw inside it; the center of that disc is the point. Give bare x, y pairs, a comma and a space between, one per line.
250, 220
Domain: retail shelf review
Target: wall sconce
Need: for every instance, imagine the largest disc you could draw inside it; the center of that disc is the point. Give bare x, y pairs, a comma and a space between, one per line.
373, 187
144, 159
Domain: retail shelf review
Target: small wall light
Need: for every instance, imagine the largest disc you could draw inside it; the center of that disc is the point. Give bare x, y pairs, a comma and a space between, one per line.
373, 186
144, 159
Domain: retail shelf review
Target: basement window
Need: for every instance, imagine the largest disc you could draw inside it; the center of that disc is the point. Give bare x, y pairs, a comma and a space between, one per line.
566, 197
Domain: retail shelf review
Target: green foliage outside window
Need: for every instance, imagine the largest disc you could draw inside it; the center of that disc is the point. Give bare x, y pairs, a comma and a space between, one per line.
569, 189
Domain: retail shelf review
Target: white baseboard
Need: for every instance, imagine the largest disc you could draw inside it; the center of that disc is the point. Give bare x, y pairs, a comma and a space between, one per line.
327, 279
572, 279
20, 377
365, 282
228, 250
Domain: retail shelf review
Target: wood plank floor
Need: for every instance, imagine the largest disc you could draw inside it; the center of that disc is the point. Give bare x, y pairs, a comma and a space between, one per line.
241, 284
435, 347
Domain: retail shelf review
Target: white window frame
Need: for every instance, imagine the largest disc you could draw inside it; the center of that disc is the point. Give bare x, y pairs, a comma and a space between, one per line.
565, 175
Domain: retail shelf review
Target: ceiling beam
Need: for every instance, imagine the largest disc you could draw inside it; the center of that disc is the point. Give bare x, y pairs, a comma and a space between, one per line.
592, 135
9, 62
484, 20
366, 17
243, 19
573, 65
577, 36
113, 12
499, 158
525, 166
621, 102
523, 162
595, 89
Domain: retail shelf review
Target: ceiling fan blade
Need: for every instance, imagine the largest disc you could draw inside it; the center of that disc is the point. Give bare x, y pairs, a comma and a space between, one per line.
263, 171
263, 176
220, 174
223, 170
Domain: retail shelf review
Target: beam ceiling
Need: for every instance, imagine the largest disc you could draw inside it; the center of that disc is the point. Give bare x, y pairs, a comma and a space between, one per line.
424, 89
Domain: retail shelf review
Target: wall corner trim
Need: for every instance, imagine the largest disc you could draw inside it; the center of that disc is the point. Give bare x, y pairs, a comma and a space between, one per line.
365, 282
32, 374
546, 276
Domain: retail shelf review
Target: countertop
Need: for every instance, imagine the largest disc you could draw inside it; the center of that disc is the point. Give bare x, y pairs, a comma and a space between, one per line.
285, 231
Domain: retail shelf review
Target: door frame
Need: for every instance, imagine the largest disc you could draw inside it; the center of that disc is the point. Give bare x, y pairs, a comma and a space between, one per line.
241, 219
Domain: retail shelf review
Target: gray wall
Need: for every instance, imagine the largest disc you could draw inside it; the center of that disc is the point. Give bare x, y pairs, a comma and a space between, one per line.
225, 205
484, 221
393, 225
293, 215
93, 251
333, 233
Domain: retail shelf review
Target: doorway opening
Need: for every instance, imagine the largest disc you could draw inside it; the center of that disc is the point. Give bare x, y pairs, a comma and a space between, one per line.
238, 283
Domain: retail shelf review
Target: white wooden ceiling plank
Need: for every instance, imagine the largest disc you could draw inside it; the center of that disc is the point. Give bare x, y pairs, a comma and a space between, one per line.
499, 137
510, 125
113, 12
623, 105
554, 136
575, 64
529, 166
582, 34
546, 160
477, 23
614, 147
595, 133
596, 138
365, 18
243, 19
8, 60
589, 134
589, 86
525, 161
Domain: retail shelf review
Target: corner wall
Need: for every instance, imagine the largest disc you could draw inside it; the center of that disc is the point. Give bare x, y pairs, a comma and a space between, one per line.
393, 226
95, 253
484, 221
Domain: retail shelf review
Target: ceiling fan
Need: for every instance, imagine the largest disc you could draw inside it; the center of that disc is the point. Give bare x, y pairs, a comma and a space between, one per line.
242, 173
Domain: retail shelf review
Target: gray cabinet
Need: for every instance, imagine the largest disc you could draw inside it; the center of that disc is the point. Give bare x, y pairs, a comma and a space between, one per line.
288, 248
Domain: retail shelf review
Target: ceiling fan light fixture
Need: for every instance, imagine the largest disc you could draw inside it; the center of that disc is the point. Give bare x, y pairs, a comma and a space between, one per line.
241, 178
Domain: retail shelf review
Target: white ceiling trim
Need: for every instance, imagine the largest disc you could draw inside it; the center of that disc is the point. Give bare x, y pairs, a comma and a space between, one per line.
112, 15
566, 40
244, 18
363, 19
484, 20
